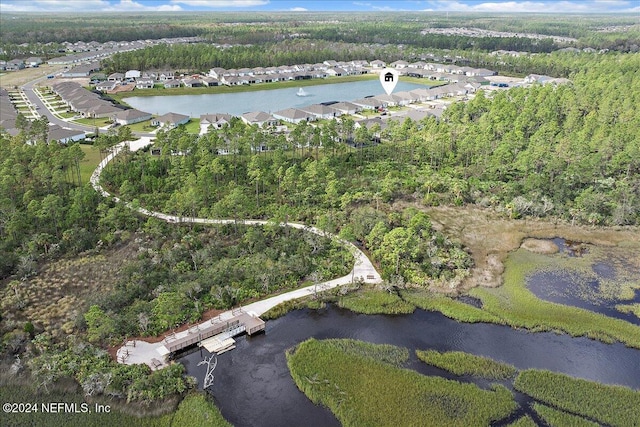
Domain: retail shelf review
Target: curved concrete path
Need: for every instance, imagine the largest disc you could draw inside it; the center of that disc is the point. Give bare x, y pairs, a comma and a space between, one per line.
144, 352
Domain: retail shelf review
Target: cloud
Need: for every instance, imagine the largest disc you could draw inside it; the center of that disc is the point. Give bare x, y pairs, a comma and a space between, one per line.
51, 5
133, 6
298, 9
592, 6
221, 3
84, 6
378, 8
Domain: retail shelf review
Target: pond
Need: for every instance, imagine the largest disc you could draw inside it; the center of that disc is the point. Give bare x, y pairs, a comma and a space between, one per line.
262, 100
584, 288
253, 387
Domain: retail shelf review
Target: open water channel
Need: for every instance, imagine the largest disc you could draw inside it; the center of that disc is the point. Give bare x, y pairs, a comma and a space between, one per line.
269, 101
252, 385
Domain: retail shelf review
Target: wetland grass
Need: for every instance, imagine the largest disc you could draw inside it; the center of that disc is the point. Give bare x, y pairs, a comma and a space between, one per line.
519, 307
612, 405
376, 302
460, 363
358, 384
525, 421
557, 418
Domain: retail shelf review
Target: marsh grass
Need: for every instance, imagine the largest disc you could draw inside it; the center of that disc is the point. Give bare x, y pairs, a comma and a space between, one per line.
525, 421
519, 307
448, 306
557, 418
629, 308
356, 382
461, 363
376, 302
608, 404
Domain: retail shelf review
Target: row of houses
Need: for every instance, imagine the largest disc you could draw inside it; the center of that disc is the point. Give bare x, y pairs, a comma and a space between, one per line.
373, 103
83, 101
93, 51
19, 64
55, 133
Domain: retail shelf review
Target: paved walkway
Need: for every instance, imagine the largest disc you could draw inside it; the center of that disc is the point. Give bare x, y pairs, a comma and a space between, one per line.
151, 354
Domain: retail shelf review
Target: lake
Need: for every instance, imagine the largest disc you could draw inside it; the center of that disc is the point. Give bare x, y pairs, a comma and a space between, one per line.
253, 387
263, 100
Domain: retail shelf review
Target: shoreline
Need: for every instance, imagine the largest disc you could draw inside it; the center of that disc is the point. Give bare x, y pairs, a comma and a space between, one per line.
219, 90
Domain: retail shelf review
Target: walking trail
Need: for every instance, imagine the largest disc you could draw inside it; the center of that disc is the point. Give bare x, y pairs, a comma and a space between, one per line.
144, 352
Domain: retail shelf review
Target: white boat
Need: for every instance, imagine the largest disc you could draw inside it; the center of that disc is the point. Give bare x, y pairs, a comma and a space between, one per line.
301, 92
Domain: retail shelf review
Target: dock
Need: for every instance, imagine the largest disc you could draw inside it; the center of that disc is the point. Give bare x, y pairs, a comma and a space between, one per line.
219, 327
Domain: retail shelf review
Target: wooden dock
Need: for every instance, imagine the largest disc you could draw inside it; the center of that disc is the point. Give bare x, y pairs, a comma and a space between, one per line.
239, 322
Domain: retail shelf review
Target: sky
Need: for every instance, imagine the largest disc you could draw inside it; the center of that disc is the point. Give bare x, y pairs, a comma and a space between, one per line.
500, 6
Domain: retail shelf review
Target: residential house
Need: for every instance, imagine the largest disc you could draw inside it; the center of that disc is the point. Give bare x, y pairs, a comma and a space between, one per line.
61, 135
115, 77
378, 64
132, 74
293, 115
337, 72
215, 121
210, 81
33, 62
216, 73
106, 86
165, 75
321, 111
169, 84
481, 72
399, 64
259, 118
129, 117
14, 65
346, 107
145, 84
170, 120
369, 103
190, 82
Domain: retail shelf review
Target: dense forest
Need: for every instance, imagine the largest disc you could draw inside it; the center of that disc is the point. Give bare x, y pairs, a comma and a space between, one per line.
395, 29
571, 151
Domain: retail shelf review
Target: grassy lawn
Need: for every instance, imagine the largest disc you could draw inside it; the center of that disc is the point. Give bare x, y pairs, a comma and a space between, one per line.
612, 405
193, 126
90, 161
94, 122
461, 363
364, 385
142, 126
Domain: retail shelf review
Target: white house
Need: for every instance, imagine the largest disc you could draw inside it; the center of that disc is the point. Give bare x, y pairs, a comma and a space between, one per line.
132, 74
216, 121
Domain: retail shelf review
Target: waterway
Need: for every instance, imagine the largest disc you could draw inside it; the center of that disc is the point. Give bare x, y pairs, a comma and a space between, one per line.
263, 100
252, 384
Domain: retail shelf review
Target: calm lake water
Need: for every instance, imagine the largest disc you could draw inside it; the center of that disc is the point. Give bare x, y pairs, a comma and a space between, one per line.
262, 100
252, 385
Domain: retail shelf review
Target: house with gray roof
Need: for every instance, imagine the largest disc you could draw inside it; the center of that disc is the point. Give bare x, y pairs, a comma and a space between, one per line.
61, 135
129, 117
293, 115
259, 118
170, 120
346, 107
215, 121
369, 103
321, 111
